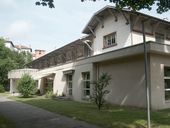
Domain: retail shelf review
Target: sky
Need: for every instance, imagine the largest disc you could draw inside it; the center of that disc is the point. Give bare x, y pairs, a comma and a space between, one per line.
43, 28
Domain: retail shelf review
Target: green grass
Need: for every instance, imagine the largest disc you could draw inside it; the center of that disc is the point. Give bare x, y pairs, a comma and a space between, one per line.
112, 117
4, 123
5, 94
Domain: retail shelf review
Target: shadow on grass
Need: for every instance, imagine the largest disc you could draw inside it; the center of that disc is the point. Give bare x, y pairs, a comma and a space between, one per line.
114, 117
4, 123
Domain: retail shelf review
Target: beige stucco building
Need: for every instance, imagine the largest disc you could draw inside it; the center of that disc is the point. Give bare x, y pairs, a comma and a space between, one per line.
113, 45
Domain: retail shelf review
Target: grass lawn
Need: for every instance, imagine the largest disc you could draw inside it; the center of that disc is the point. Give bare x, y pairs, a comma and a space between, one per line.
112, 117
4, 123
5, 94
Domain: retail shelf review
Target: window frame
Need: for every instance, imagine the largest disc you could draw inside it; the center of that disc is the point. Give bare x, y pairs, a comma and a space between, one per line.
69, 89
105, 44
159, 35
86, 79
166, 78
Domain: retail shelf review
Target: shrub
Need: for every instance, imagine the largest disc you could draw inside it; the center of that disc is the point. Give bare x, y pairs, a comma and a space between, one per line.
99, 90
26, 86
2, 89
49, 94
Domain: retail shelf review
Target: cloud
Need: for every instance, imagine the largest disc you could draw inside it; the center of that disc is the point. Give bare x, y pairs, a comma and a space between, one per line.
19, 29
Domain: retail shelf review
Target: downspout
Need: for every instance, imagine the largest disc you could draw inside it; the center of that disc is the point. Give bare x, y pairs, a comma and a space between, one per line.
131, 32
146, 76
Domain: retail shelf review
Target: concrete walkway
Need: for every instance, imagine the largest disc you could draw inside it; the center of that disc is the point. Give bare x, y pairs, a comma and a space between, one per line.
27, 116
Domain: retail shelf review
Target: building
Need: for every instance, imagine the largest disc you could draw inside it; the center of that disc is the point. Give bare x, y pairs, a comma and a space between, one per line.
10, 45
113, 45
22, 48
38, 53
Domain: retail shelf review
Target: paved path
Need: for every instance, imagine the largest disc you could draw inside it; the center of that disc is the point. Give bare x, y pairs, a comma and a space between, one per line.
27, 116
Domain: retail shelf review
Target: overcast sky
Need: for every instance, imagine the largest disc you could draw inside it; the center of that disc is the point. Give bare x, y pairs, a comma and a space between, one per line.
43, 28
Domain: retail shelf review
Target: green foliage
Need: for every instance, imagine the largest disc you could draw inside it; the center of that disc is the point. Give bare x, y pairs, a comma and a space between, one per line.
11, 60
136, 5
2, 90
49, 94
7, 62
48, 3
49, 90
26, 86
99, 90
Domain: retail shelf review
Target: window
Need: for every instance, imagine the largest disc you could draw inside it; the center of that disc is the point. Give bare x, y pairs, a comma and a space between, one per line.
109, 40
69, 84
167, 82
86, 84
159, 38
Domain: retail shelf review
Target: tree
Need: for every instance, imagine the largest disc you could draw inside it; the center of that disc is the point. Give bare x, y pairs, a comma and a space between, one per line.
2, 90
26, 86
7, 63
48, 3
10, 60
99, 90
136, 5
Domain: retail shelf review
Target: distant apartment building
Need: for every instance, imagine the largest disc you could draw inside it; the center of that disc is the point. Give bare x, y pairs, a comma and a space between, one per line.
22, 48
10, 45
38, 53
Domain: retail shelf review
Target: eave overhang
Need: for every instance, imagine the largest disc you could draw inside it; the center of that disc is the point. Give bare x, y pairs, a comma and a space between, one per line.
93, 22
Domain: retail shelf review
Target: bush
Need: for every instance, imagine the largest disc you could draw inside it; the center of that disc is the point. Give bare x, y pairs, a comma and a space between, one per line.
2, 89
49, 94
99, 90
26, 86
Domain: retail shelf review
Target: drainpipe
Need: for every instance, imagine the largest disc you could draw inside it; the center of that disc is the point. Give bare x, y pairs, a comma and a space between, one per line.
146, 76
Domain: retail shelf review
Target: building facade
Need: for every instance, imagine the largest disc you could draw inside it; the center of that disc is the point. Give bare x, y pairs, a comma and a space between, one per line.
113, 45
38, 53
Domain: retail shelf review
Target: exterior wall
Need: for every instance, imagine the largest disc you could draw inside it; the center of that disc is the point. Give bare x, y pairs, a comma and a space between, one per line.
9, 45
150, 30
14, 75
122, 30
157, 63
127, 84
13, 85
138, 38
38, 53
19, 72
60, 87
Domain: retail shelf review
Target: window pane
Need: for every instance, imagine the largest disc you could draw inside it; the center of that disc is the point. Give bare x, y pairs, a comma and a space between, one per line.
87, 84
86, 92
109, 40
88, 76
70, 77
70, 91
167, 95
167, 71
159, 38
70, 84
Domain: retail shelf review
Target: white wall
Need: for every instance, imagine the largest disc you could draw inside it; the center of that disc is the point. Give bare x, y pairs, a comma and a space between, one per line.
13, 85
127, 83
157, 63
59, 86
137, 37
122, 32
